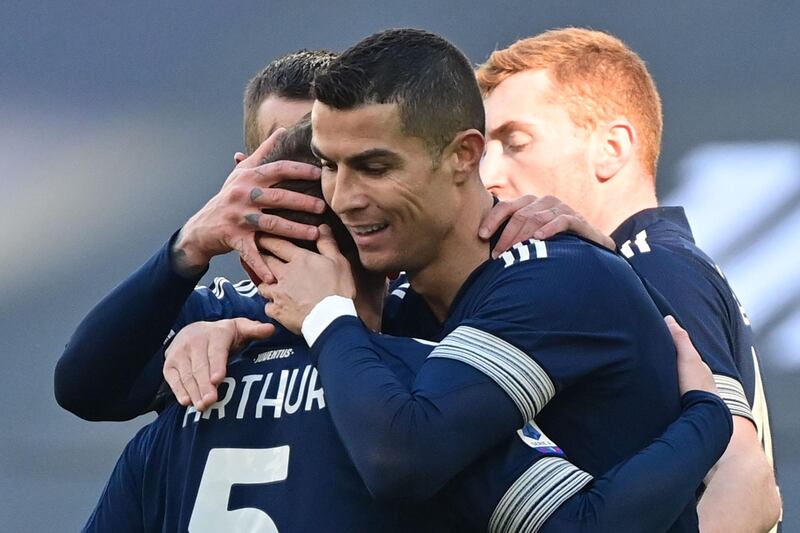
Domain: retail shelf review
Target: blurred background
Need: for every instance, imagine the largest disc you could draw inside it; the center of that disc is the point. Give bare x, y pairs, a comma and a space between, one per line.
119, 120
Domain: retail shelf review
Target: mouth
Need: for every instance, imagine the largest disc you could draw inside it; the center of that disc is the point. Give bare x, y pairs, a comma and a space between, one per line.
367, 229
366, 235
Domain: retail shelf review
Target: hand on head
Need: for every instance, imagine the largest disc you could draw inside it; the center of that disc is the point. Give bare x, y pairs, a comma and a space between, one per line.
230, 220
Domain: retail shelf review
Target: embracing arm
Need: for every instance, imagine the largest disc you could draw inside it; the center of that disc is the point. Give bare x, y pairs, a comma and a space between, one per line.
648, 491
406, 444
741, 494
662, 478
111, 367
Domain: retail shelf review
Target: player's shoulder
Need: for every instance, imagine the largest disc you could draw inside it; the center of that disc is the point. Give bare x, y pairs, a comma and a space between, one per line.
562, 250
661, 240
563, 261
225, 299
668, 257
552, 277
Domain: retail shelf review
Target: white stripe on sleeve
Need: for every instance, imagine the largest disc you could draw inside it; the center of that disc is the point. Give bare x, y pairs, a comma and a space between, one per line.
521, 377
534, 496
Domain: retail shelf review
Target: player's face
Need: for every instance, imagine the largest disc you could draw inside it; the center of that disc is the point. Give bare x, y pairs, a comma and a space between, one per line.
278, 112
383, 185
533, 147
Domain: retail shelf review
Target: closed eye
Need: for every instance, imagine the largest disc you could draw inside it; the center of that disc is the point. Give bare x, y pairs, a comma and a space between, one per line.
517, 141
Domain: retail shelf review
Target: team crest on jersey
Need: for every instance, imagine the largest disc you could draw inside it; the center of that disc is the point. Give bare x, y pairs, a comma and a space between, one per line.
269, 355
533, 436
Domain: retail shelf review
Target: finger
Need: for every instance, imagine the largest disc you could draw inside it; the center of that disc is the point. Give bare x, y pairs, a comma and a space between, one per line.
281, 227
173, 379
277, 171
248, 330
202, 376
255, 159
238, 157
253, 259
683, 344
511, 233
280, 248
326, 243
184, 366
500, 213
276, 198
267, 290
276, 266
559, 224
218, 354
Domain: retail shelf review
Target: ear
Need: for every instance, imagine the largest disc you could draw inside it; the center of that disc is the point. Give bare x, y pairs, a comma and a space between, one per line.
614, 148
464, 152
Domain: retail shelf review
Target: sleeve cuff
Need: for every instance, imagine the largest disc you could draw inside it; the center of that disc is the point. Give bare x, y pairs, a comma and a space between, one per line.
323, 314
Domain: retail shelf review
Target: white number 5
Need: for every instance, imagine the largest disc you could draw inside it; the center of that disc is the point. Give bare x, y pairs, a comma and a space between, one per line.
226, 467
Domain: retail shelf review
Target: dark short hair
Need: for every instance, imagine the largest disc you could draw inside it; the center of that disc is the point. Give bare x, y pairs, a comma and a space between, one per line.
431, 81
295, 145
288, 77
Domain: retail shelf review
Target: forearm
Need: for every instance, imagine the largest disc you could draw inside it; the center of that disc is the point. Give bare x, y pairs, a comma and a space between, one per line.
407, 440
741, 493
628, 499
107, 370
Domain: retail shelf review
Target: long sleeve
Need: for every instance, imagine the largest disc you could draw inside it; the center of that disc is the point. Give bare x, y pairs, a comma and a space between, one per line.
408, 442
111, 367
647, 492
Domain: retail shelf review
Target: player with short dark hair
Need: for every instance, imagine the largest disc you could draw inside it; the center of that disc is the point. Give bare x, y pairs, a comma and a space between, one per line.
267, 452
561, 332
160, 298
221, 301
282, 87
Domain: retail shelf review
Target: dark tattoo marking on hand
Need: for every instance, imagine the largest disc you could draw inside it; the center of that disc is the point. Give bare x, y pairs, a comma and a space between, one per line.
255, 193
252, 219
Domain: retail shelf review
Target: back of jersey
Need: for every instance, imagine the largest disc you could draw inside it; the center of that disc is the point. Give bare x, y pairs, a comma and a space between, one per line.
265, 457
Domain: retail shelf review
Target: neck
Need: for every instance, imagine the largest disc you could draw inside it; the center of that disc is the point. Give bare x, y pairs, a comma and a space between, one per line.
460, 252
621, 200
370, 295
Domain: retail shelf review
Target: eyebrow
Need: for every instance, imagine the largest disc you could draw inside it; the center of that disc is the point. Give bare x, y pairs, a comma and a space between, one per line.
510, 126
362, 158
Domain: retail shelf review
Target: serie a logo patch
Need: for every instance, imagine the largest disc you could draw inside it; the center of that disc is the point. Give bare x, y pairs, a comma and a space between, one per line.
534, 437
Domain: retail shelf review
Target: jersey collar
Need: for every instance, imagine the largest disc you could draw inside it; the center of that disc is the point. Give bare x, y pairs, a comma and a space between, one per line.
669, 218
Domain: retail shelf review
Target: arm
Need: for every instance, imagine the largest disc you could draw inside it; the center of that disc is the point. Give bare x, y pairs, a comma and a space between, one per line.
741, 492
741, 495
406, 442
111, 367
473, 379
662, 478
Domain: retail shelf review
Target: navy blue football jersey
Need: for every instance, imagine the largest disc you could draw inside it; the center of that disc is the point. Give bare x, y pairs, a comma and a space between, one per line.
561, 332
265, 457
267, 448
658, 243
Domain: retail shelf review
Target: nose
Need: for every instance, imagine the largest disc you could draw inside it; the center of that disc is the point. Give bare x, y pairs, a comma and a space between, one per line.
492, 170
344, 191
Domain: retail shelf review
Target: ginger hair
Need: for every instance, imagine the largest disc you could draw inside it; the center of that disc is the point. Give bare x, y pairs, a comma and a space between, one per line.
596, 75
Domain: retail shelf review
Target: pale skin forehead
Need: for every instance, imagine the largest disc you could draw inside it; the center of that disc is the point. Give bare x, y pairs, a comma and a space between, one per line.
527, 96
277, 112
